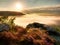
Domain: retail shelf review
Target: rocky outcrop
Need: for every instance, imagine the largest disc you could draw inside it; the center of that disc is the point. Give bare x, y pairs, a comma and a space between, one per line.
49, 29
33, 34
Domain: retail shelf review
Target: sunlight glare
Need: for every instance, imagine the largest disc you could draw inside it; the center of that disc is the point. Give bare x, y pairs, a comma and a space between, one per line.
18, 7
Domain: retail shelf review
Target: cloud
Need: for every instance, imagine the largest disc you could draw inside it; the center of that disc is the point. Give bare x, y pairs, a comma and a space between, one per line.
46, 8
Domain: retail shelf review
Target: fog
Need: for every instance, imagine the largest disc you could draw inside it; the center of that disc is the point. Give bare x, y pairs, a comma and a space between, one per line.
30, 18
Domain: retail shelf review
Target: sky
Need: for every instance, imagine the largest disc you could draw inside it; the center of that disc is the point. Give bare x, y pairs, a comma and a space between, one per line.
9, 4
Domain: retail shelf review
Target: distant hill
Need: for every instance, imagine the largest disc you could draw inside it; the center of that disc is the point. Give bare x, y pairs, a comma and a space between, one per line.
10, 13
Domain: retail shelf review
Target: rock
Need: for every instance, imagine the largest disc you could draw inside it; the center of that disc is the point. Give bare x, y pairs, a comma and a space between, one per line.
4, 27
49, 29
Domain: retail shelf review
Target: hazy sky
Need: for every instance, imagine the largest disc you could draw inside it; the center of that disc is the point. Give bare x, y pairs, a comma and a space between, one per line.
8, 4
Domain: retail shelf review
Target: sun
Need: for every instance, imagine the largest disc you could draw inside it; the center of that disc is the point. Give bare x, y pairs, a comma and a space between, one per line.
18, 6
